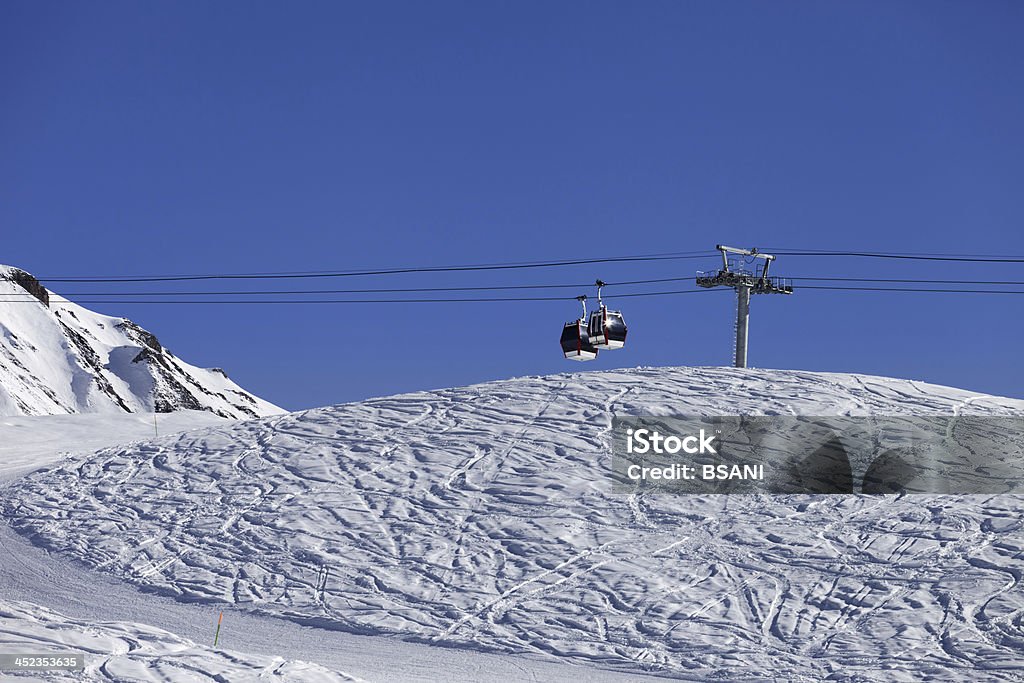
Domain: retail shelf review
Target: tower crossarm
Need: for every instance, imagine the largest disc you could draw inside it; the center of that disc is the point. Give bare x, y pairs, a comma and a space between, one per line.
758, 283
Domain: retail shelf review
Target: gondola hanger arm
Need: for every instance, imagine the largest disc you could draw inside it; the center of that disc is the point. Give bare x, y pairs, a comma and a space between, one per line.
582, 298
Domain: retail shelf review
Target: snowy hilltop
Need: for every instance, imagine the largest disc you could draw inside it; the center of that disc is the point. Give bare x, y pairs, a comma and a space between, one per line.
57, 358
485, 517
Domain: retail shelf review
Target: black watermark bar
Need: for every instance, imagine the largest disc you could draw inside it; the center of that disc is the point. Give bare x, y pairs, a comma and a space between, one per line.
28, 662
832, 454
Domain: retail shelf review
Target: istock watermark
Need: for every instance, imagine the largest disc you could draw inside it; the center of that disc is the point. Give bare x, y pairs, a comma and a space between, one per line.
642, 441
797, 454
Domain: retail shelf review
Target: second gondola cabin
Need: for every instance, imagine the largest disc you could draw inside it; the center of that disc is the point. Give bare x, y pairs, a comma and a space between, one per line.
607, 329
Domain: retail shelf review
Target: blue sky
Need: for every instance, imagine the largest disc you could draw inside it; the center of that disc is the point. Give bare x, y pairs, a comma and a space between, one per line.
188, 137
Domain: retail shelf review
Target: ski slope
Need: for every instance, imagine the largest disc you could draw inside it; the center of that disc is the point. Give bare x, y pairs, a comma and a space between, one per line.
51, 603
483, 518
114, 650
30, 442
134, 652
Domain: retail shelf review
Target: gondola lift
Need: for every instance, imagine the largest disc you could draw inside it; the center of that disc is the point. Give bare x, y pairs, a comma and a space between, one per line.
606, 329
576, 344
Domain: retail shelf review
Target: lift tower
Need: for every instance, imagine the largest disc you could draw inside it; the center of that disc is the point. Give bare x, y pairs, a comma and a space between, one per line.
745, 282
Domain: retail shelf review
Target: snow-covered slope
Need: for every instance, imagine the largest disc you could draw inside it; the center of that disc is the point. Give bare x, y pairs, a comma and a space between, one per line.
485, 517
30, 442
134, 652
57, 357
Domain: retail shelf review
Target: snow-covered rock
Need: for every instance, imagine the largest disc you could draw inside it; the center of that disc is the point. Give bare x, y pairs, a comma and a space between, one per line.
486, 517
57, 357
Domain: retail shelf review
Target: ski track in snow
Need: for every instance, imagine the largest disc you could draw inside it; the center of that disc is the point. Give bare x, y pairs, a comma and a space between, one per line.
45, 594
483, 517
133, 652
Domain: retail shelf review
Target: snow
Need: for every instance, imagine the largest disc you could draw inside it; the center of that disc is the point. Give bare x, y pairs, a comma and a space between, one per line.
134, 652
115, 650
62, 358
483, 518
30, 442
77, 603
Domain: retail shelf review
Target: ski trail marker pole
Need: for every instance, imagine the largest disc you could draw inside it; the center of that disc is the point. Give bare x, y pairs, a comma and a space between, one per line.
217, 637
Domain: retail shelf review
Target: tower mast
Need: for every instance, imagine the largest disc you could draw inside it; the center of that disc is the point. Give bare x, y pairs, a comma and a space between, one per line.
745, 282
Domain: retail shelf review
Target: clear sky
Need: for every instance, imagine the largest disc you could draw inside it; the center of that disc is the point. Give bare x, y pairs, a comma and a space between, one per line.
235, 137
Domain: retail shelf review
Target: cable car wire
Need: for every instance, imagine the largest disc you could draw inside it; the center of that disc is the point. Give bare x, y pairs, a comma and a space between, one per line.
358, 301
576, 286
675, 256
501, 299
664, 256
914, 289
912, 257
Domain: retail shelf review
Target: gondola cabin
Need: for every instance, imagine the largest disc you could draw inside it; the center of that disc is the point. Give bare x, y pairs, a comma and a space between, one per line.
607, 329
576, 343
